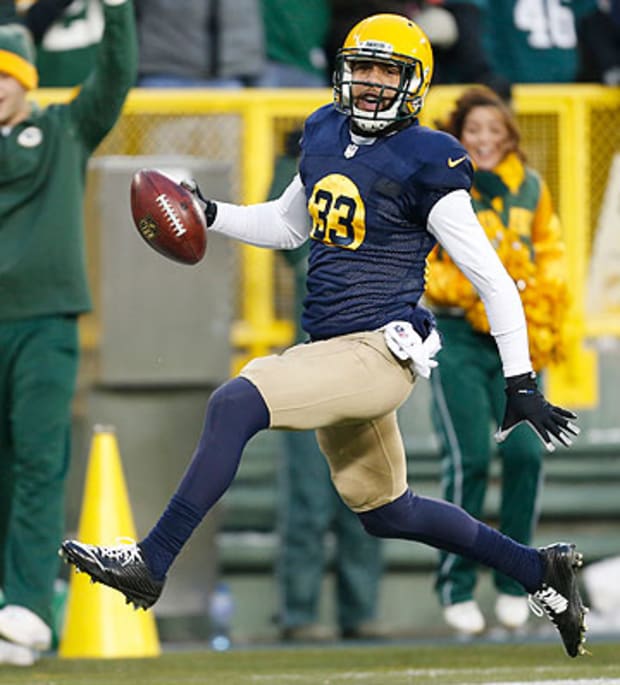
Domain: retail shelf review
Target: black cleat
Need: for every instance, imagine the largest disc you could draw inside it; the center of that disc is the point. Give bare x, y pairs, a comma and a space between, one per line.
559, 596
121, 567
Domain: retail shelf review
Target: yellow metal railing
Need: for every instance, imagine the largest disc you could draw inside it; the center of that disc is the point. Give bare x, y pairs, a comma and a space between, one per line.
569, 132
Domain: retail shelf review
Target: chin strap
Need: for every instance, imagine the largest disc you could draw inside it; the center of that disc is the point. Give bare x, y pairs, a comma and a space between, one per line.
388, 130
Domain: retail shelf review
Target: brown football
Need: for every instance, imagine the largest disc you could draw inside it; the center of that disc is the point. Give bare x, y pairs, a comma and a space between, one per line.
168, 216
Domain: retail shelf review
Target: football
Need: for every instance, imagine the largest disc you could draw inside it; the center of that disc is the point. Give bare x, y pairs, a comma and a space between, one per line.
168, 216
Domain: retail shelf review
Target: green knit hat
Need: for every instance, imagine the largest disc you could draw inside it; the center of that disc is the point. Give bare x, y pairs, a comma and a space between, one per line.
17, 55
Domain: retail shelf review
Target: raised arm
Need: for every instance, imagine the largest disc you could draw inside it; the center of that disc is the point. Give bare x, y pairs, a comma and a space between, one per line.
97, 107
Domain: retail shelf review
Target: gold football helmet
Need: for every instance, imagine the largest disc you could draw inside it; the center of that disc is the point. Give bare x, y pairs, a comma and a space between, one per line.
392, 39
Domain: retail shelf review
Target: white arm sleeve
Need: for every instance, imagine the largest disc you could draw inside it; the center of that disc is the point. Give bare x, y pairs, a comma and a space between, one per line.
453, 222
283, 223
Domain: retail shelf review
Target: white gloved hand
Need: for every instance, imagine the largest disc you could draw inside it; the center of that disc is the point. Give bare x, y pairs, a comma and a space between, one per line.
405, 344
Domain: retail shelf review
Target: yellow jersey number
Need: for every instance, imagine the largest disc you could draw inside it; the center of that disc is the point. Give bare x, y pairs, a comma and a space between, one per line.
337, 212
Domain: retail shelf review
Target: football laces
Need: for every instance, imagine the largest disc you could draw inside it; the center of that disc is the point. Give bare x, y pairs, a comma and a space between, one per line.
170, 214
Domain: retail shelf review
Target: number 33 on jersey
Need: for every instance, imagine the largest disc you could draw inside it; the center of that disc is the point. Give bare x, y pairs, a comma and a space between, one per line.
338, 213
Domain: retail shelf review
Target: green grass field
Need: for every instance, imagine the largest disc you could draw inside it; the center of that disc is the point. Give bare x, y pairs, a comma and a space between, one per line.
402, 664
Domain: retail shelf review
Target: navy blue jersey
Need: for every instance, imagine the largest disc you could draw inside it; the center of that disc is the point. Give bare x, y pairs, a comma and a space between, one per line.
369, 205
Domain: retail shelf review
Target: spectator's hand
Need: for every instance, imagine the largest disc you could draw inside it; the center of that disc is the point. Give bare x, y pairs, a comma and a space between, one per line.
406, 345
525, 402
208, 206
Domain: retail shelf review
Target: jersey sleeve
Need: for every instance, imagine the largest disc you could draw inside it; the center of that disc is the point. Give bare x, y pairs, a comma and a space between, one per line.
311, 124
97, 107
446, 167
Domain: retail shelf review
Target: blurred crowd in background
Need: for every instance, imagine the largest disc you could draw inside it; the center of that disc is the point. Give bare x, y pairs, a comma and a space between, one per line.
275, 43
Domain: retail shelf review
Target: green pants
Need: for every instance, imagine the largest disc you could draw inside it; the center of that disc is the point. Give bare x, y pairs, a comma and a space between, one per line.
38, 365
468, 405
311, 508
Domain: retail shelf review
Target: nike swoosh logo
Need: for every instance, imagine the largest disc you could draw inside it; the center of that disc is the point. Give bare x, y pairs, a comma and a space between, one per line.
455, 162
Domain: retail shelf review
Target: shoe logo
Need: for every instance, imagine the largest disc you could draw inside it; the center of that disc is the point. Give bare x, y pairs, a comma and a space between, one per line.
553, 600
455, 162
88, 554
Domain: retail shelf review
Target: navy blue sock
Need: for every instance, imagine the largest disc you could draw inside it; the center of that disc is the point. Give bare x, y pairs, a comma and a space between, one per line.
236, 411
446, 526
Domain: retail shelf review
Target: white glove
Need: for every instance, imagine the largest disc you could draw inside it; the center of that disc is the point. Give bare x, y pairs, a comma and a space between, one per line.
405, 344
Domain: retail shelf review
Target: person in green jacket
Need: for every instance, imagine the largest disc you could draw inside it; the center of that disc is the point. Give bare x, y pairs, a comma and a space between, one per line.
43, 290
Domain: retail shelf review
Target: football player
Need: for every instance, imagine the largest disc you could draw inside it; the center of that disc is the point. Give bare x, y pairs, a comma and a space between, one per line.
374, 193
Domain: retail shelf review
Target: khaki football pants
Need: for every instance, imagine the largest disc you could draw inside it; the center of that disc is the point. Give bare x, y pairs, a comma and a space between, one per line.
348, 389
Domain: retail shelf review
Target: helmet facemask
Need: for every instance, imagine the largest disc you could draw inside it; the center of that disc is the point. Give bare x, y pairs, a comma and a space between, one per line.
408, 95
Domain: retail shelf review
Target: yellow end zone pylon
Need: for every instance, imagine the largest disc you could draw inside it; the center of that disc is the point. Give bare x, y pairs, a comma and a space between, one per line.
98, 623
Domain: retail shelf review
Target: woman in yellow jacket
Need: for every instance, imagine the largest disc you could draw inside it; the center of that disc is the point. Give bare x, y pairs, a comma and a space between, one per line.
514, 206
